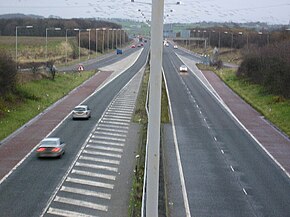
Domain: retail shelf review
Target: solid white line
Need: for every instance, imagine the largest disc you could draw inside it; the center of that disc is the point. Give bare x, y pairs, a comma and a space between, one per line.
108, 138
106, 143
96, 175
81, 203
90, 183
86, 192
95, 166
99, 147
102, 153
116, 162
67, 213
181, 175
110, 134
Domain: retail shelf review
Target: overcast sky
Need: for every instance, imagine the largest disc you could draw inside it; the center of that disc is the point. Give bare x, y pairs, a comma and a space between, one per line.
272, 12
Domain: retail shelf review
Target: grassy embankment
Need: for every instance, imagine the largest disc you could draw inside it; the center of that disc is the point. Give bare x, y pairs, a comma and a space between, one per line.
140, 117
32, 97
274, 108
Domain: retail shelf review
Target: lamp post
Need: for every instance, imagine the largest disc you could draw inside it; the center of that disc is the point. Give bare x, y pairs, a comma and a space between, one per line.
108, 39
89, 30
103, 48
113, 38
116, 38
66, 42
46, 30
77, 29
97, 42
16, 42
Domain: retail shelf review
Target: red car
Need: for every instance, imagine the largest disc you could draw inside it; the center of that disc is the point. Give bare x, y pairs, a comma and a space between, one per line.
133, 46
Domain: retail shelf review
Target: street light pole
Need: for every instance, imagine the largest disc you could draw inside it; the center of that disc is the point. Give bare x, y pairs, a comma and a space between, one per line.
89, 30
108, 39
46, 30
77, 29
16, 41
116, 38
97, 42
154, 109
103, 48
113, 30
120, 38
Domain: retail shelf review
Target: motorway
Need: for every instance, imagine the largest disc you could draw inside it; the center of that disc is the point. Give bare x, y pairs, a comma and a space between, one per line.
94, 152
212, 166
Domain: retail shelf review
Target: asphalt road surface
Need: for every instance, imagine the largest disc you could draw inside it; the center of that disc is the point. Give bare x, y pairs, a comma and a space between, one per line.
29, 189
212, 166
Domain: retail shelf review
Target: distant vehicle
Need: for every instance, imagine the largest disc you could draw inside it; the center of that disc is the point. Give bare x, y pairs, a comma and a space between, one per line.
138, 45
183, 68
175, 47
166, 44
119, 51
133, 46
81, 112
145, 40
51, 147
142, 44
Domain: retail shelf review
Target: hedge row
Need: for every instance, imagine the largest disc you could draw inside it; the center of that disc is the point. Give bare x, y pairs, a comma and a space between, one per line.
270, 67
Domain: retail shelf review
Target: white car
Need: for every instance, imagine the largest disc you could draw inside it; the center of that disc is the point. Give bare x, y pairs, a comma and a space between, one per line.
175, 47
183, 68
81, 112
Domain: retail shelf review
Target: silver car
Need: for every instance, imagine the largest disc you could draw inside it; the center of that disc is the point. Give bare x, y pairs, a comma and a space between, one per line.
81, 112
50, 147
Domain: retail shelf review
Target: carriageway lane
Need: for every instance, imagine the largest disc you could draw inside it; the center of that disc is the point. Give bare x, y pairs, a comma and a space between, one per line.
226, 173
26, 191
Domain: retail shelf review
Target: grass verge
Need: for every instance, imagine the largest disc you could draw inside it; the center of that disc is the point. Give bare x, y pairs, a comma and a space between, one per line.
140, 117
274, 108
31, 98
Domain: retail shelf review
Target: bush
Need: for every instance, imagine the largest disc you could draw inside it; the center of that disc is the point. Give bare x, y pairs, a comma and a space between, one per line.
7, 73
270, 67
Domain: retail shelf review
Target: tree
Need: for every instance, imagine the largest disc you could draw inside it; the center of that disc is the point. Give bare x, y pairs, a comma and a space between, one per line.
7, 73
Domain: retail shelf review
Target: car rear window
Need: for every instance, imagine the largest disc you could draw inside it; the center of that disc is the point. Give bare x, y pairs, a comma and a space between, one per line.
80, 109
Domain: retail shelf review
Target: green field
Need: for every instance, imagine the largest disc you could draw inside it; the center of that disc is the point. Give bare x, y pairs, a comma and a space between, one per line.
33, 49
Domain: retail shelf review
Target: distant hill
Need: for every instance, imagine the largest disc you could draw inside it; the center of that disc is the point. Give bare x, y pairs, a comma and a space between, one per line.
20, 16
